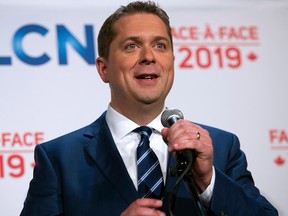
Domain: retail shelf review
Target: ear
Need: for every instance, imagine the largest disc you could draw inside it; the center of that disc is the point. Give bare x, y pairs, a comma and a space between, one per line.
102, 69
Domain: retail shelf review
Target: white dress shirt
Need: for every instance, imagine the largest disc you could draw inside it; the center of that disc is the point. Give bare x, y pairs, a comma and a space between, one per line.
127, 141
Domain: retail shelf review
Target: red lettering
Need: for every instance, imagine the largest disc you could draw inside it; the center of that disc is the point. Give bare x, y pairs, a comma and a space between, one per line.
283, 137
208, 34
185, 33
27, 139
238, 33
16, 140
233, 34
16, 164
174, 33
278, 135
253, 33
182, 31
5, 138
193, 32
222, 32
1, 167
242, 31
39, 137
272, 135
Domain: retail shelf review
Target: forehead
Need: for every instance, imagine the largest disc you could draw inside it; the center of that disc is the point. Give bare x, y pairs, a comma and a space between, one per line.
137, 24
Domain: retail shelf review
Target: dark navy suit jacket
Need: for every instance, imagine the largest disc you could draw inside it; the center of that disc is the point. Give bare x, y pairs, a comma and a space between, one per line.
82, 173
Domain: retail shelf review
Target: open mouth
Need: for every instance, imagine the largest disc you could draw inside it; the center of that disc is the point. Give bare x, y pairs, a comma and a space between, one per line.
147, 77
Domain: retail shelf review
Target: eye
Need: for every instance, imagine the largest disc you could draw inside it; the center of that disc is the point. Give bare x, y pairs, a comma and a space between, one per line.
160, 46
131, 46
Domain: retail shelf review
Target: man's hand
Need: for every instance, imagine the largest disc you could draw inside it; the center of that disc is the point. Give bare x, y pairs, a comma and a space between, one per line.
186, 135
144, 207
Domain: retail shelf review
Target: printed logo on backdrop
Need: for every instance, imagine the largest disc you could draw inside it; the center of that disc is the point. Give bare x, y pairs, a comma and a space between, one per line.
215, 47
279, 144
202, 47
64, 38
16, 153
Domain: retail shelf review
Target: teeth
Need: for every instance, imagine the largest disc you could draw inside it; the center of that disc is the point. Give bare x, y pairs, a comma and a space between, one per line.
147, 77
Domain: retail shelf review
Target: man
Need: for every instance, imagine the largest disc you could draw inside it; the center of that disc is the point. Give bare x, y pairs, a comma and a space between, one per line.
93, 171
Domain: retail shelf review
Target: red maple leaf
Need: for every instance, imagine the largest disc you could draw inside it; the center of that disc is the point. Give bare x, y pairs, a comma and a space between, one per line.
279, 161
252, 56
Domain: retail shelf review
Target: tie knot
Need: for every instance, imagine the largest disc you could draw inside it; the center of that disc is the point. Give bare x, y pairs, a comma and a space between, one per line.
144, 131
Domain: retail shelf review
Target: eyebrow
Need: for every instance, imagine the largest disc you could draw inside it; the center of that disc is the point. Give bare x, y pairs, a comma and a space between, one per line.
138, 39
132, 38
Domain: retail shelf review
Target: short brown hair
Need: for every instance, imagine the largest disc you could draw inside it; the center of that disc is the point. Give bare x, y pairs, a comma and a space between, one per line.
107, 32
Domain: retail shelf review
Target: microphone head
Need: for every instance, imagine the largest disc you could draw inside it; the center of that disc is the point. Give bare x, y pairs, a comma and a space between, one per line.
170, 116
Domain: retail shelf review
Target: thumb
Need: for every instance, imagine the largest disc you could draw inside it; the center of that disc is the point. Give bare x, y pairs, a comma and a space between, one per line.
164, 133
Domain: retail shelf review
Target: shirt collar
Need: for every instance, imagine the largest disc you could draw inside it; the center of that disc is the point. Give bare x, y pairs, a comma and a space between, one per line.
120, 126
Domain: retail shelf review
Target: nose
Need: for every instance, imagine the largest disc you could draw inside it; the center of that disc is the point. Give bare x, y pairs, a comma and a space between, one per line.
147, 56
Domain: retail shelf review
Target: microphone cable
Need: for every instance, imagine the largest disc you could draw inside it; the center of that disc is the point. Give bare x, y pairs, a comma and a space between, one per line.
182, 168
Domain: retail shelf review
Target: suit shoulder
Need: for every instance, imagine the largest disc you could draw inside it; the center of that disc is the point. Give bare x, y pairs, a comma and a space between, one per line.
216, 131
77, 136
222, 137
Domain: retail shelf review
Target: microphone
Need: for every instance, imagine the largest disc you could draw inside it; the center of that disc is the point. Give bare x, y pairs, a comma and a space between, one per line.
184, 159
168, 118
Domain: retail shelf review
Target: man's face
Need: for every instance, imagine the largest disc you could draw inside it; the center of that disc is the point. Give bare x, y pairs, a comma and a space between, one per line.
140, 66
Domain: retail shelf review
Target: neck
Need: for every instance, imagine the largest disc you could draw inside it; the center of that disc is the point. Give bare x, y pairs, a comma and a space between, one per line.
141, 115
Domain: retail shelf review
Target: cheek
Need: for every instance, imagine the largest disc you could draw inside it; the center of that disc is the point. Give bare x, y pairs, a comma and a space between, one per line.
122, 63
116, 74
169, 67
170, 76
167, 62
128, 62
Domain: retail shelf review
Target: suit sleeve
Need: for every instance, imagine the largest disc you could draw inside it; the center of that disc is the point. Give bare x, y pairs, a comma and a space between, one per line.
44, 194
234, 191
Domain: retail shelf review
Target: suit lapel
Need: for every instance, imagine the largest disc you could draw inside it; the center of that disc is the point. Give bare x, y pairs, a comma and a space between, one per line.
103, 151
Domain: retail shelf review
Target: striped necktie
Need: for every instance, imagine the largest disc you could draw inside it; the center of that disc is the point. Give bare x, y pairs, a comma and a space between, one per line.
150, 177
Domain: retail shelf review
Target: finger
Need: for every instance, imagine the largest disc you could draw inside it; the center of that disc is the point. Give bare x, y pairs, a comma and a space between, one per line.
189, 140
164, 134
147, 207
149, 202
184, 128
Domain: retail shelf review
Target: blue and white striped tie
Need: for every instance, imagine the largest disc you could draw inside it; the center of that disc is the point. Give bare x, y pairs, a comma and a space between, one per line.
150, 177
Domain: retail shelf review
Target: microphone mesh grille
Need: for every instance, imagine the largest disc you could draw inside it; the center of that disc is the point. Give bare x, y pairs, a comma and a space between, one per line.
168, 113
